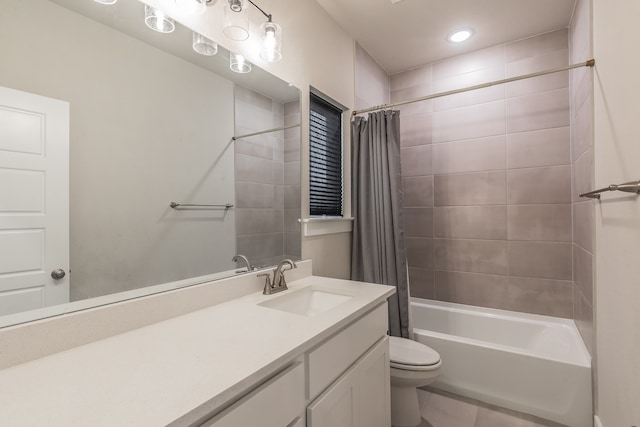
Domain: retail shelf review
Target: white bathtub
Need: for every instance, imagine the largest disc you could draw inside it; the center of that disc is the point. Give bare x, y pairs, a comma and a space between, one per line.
529, 363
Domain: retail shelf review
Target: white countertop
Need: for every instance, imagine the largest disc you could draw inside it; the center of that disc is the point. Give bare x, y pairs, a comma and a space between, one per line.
178, 369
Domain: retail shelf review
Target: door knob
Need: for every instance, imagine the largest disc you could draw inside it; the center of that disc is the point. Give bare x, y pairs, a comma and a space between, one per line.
58, 274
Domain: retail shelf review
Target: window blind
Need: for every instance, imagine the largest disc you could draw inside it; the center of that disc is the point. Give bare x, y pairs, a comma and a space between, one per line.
325, 158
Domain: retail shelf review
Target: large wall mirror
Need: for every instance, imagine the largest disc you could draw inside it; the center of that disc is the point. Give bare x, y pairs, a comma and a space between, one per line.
149, 122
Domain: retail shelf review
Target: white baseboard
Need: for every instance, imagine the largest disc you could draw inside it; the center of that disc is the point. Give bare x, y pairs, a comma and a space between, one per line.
597, 422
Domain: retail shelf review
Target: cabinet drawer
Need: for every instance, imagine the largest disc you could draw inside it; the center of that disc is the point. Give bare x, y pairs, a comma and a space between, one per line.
333, 357
274, 404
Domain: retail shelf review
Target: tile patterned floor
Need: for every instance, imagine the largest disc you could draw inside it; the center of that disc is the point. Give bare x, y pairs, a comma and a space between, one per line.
440, 409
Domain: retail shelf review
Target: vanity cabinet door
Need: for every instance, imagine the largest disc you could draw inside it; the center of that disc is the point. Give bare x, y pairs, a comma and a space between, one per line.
338, 406
360, 397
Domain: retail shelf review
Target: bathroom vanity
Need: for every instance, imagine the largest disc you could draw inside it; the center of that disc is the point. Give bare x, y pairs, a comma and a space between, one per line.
315, 355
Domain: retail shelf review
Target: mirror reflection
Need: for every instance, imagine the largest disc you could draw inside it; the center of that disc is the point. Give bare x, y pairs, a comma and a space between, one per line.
104, 123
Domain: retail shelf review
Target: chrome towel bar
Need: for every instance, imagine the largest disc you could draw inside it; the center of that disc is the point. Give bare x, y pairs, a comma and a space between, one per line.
628, 187
175, 205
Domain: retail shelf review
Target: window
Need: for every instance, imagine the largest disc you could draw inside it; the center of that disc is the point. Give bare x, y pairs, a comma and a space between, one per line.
325, 158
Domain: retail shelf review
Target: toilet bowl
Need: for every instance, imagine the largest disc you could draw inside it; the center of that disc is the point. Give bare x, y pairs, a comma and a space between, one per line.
413, 365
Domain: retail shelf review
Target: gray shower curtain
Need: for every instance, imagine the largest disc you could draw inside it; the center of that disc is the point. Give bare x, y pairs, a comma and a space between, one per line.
378, 251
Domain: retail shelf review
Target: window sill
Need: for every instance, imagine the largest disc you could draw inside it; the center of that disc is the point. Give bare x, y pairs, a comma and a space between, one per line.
322, 226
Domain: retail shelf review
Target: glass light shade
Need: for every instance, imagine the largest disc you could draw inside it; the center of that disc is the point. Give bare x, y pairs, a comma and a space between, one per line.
194, 7
158, 20
271, 42
239, 64
106, 1
236, 20
203, 45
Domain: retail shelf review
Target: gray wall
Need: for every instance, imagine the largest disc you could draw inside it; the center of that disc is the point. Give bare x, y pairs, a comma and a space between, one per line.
147, 128
487, 179
267, 179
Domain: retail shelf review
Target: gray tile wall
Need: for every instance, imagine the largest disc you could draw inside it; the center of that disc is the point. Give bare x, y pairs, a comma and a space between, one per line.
487, 179
581, 95
267, 175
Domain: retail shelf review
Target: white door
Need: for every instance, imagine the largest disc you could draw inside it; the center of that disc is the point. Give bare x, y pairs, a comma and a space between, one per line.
34, 201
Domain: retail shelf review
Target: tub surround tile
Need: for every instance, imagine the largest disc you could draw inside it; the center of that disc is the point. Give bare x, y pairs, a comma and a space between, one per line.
535, 64
418, 191
583, 316
541, 296
539, 185
474, 97
474, 155
254, 195
471, 222
418, 222
472, 189
254, 169
469, 122
582, 129
412, 78
477, 256
537, 46
487, 174
415, 130
582, 81
547, 147
472, 288
490, 58
259, 221
419, 252
583, 224
583, 175
583, 272
540, 222
421, 283
416, 161
292, 198
544, 260
538, 111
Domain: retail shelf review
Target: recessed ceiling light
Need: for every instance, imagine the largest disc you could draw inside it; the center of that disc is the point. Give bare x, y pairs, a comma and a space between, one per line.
460, 35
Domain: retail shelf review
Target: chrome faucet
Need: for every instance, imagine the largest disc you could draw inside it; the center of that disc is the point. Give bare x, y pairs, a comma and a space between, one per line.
243, 259
279, 282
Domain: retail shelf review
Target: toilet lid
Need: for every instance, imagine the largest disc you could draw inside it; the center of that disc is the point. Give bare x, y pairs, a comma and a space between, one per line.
403, 351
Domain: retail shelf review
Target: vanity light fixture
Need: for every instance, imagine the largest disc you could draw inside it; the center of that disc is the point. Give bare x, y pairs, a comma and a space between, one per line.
271, 42
158, 20
460, 35
238, 63
106, 1
203, 45
236, 20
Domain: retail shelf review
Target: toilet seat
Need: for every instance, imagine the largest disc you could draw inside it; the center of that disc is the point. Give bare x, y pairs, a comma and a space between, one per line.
410, 355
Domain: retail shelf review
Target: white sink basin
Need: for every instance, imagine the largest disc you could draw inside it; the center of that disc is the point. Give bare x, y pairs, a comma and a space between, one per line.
309, 301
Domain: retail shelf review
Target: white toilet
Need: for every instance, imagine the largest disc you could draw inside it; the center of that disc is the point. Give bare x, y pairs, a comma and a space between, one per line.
413, 365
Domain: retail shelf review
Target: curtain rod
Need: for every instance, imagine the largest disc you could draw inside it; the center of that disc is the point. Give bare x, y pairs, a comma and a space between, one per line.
589, 63
235, 138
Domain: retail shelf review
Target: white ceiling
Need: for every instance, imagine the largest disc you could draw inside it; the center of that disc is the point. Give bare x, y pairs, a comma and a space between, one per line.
409, 33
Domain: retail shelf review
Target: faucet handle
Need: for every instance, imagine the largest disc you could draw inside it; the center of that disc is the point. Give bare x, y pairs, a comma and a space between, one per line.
267, 283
